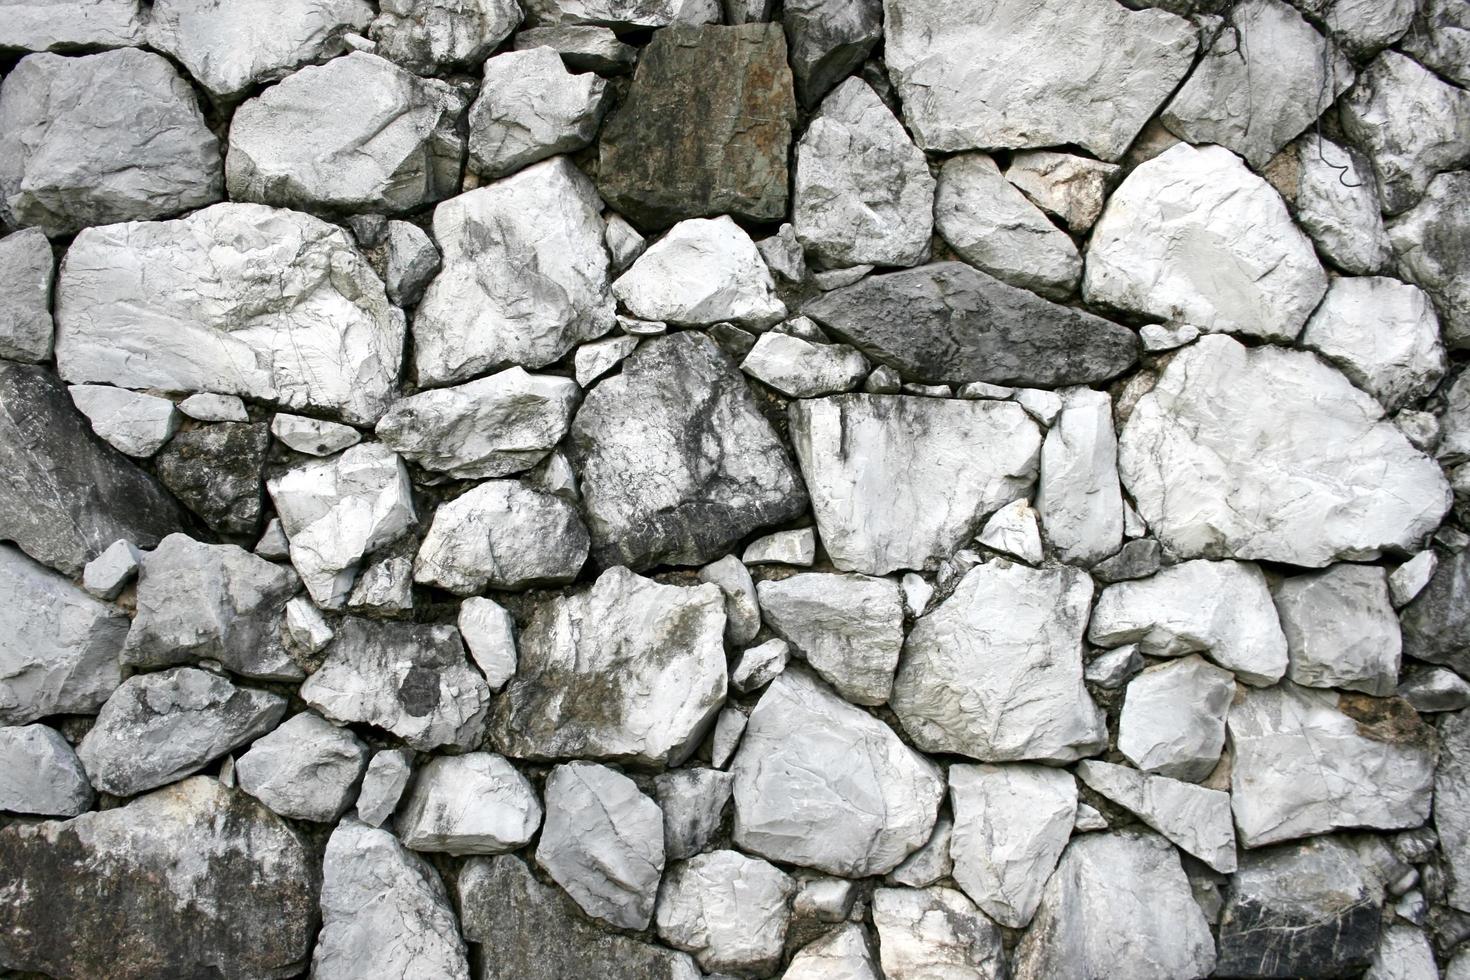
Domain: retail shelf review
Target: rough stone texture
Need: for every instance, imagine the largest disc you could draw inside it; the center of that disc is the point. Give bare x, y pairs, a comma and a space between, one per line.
410, 679
1118, 905
64, 124
842, 954
729, 910
1436, 625
192, 880
383, 784
1321, 477
26, 272
676, 461
994, 672
215, 470
535, 234
531, 107
488, 632
582, 47
827, 40
236, 299
862, 193
848, 627
112, 571
1193, 817
1010, 826
1381, 333
397, 151
901, 482
1192, 236
40, 774
411, 259
530, 931
1452, 804
1173, 718
384, 912
129, 421
429, 37
704, 130
1307, 761
1073, 188
1440, 39
704, 271
315, 437
157, 728
308, 768
821, 783
947, 323
229, 48
693, 802
1430, 242
625, 670
1089, 72
603, 843
742, 607
1078, 499
502, 534
476, 803
935, 933
59, 646
46, 25
625, 15
798, 368
1337, 205
1340, 629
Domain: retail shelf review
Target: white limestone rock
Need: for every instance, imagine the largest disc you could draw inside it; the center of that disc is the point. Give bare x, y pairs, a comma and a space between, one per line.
27, 270
489, 633
729, 910
1113, 668
1410, 123
1429, 247
1113, 897
235, 299
1173, 719
307, 769
841, 954
385, 587
798, 368
626, 669
862, 193
430, 36
797, 546
1013, 530
130, 421
1193, 236
1452, 804
1410, 578
1337, 205
49, 25
705, 270
1307, 761
725, 739
929, 863
1404, 953
625, 15
502, 534
384, 912
60, 144
1073, 188
1435, 689
59, 646
994, 672
1194, 818
536, 233
315, 437
757, 666
207, 407
112, 571
1440, 39
693, 802
848, 627
476, 803
826, 785
1319, 478
1265, 78
901, 482
383, 784
230, 48
1089, 72
1078, 498
1341, 630
1010, 826
742, 607
583, 47
407, 678
1383, 334
531, 107
40, 774
935, 934
157, 728
603, 842
410, 260
600, 357
398, 149
991, 225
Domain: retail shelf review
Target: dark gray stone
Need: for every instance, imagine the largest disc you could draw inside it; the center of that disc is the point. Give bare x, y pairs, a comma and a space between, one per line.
1436, 625
828, 39
1137, 559
216, 471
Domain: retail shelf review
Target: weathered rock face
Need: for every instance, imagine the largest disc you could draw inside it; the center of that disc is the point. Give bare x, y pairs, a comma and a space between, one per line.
1440, 38
129, 421
821, 783
676, 461
1340, 629
1073, 188
430, 37
41, 775
215, 470
1337, 205
1193, 817
1005, 629
530, 108
398, 151
729, 910
827, 40
1383, 335
26, 272
1324, 477
901, 482
308, 768
624, 15
64, 122
64, 24
704, 271
191, 880
1078, 499
1192, 236
627, 669
502, 534
524, 280
929, 932
693, 802
1430, 243
235, 299
1436, 625
947, 323
801, 369
704, 130
476, 803
1451, 799
1055, 72
842, 953
1173, 718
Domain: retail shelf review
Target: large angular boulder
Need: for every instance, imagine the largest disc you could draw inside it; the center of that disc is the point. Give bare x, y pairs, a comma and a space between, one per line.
1440, 39
1173, 718
1317, 477
626, 669
524, 278
676, 461
929, 932
902, 482
192, 880
502, 534
1336, 203
1340, 629
308, 768
476, 803
705, 128
396, 151
434, 36
1006, 628
704, 271
66, 122
1381, 333
532, 107
1193, 818
1089, 72
236, 299
824, 784
729, 910
947, 323
1078, 498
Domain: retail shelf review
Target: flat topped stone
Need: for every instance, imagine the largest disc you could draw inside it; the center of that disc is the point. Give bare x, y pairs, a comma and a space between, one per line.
59, 25
948, 323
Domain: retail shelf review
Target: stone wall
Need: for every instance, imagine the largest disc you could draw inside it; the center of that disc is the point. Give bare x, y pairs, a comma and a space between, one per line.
652, 489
